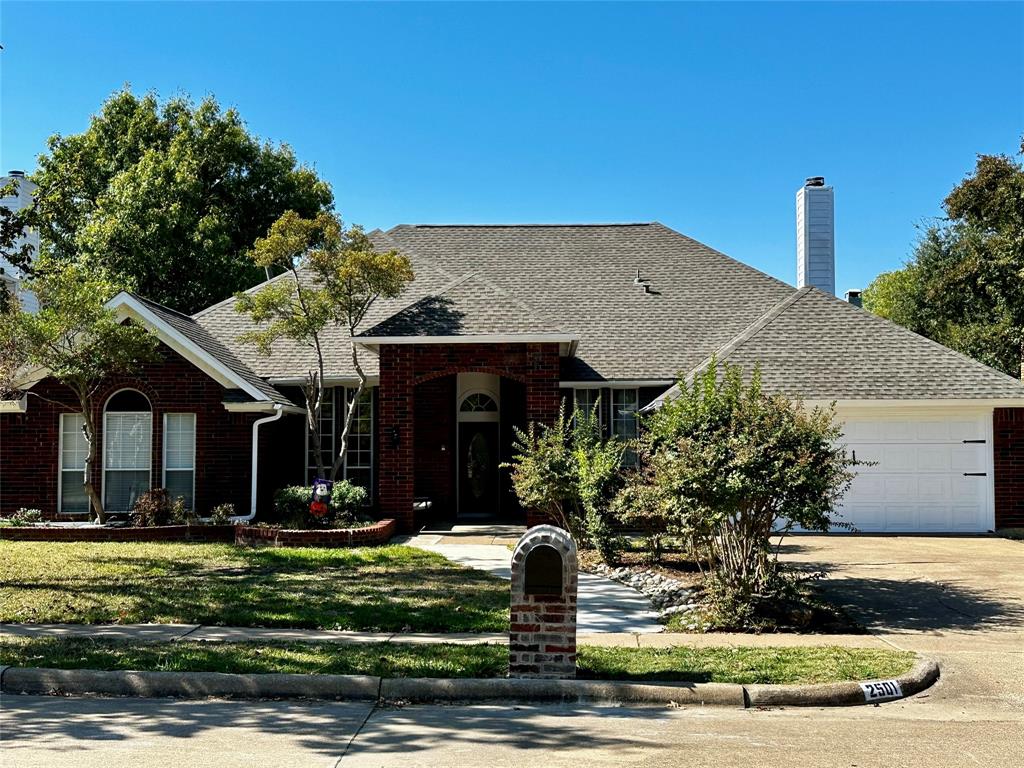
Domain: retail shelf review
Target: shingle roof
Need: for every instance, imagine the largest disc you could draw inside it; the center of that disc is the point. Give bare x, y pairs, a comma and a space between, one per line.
199, 336
468, 306
814, 346
580, 279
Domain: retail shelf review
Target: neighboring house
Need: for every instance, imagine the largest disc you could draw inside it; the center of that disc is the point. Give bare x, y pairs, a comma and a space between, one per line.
10, 275
502, 323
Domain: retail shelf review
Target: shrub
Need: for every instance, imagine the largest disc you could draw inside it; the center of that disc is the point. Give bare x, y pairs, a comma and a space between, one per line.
152, 508
727, 466
291, 505
568, 472
222, 514
22, 517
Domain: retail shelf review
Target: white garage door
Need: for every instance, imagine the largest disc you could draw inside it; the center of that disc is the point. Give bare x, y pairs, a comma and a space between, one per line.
933, 472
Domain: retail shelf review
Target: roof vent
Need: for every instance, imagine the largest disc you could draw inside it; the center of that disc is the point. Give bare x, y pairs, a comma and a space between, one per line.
853, 297
16, 174
815, 181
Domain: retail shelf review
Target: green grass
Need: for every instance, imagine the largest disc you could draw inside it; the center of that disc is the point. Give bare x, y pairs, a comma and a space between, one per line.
391, 588
719, 665
826, 664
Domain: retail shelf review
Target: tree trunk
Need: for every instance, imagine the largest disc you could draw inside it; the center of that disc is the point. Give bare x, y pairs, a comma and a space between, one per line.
89, 430
350, 410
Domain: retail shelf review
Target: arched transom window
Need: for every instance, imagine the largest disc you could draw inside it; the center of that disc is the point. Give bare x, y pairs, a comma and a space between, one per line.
127, 449
479, 402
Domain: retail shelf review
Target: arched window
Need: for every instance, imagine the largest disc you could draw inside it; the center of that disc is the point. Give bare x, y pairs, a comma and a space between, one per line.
479, 402
127, 449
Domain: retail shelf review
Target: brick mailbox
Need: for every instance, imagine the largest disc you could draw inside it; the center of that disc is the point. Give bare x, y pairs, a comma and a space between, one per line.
542, 639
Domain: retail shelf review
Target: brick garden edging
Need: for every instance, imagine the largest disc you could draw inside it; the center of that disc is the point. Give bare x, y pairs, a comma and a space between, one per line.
248, 535
260, 536
209, 533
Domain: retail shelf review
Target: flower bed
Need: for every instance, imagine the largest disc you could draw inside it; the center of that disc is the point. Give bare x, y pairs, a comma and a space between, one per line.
266, 536
247, 535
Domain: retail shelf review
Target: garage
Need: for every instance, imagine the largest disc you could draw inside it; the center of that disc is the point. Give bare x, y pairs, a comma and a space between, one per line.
931, 472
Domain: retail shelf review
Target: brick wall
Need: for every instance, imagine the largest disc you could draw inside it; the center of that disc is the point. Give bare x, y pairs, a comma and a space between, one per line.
254, 535
206, 533
1008, 430
29, 441
404, 366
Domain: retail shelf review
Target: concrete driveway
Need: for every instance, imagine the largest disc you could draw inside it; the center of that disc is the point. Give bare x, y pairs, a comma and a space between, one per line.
959, 599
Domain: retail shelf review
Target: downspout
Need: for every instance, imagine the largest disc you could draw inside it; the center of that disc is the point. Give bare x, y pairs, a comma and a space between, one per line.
278, 413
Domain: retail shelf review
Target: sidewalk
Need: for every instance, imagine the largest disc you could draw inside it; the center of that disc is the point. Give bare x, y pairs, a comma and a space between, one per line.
604, 606
160, 633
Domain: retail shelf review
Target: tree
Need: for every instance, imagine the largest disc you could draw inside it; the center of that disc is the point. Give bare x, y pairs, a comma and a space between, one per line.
168, 197
729, 467
79, 342
964, 286
330, 275
568, 472
13, 248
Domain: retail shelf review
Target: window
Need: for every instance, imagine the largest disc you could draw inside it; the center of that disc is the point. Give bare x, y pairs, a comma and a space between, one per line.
478, 403
180, 456
327, 443
624, 419
74, 450
586, 400
127, 450
359, 457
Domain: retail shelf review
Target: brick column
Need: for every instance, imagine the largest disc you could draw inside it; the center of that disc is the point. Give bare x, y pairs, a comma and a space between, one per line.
1008, 459
542, 393
542, 626
395, 434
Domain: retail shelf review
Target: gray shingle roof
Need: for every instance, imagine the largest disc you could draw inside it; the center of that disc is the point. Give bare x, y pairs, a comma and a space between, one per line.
199, 336
580, 279
469, 306
814, 346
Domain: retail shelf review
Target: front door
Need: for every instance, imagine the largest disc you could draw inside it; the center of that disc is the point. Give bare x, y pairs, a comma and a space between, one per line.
478, 468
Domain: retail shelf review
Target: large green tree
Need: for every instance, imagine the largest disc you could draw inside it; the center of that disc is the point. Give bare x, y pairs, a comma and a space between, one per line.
964, 285
168, 197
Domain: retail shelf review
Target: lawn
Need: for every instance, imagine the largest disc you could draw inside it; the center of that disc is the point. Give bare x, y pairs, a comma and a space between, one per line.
719, 665
391, 588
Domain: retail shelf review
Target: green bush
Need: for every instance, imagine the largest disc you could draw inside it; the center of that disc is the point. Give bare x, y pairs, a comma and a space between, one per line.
569, 472
291, 506
156, 507
22, 517
222, 514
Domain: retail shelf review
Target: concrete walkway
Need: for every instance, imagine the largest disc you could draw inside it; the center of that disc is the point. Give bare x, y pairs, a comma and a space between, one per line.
604, 605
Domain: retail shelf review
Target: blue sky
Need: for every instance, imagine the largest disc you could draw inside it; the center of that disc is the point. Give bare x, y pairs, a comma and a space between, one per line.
705, 117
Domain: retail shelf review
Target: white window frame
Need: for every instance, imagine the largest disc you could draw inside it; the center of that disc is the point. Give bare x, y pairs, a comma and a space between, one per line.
630, 457
163, 457
373, 444
591, 393
103, 473
311, 468
60, 466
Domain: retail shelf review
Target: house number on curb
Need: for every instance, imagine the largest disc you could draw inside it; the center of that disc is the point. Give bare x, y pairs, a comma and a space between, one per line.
882, 689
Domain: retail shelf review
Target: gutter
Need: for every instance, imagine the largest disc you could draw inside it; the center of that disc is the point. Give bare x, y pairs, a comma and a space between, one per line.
278, 413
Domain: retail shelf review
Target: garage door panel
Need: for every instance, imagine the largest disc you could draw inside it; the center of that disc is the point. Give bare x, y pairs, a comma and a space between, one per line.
918, 481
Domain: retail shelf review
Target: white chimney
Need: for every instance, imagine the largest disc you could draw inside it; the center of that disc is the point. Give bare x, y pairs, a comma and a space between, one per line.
22, 198
815, 236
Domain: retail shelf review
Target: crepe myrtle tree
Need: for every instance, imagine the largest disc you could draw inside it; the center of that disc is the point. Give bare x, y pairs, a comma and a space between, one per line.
76, 340
331, 275
729, 467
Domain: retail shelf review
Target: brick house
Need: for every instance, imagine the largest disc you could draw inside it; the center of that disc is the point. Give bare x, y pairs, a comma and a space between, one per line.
499, 326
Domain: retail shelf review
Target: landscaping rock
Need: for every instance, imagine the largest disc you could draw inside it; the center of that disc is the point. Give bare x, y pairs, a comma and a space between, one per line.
670, 596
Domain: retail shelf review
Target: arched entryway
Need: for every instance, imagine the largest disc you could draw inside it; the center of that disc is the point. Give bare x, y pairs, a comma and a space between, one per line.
479, 454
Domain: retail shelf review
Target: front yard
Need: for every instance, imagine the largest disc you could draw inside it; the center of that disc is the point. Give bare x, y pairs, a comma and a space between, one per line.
392, 588
698, 665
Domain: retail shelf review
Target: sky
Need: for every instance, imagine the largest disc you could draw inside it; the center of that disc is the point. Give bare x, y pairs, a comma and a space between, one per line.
706, 117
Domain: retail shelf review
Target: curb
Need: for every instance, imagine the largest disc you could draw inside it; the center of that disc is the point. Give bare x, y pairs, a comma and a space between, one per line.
425, 689
201, 685
924, 673
188, 685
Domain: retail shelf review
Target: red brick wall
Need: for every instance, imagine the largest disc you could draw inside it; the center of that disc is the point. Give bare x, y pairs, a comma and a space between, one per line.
403, 366
29, 441
1008, 430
